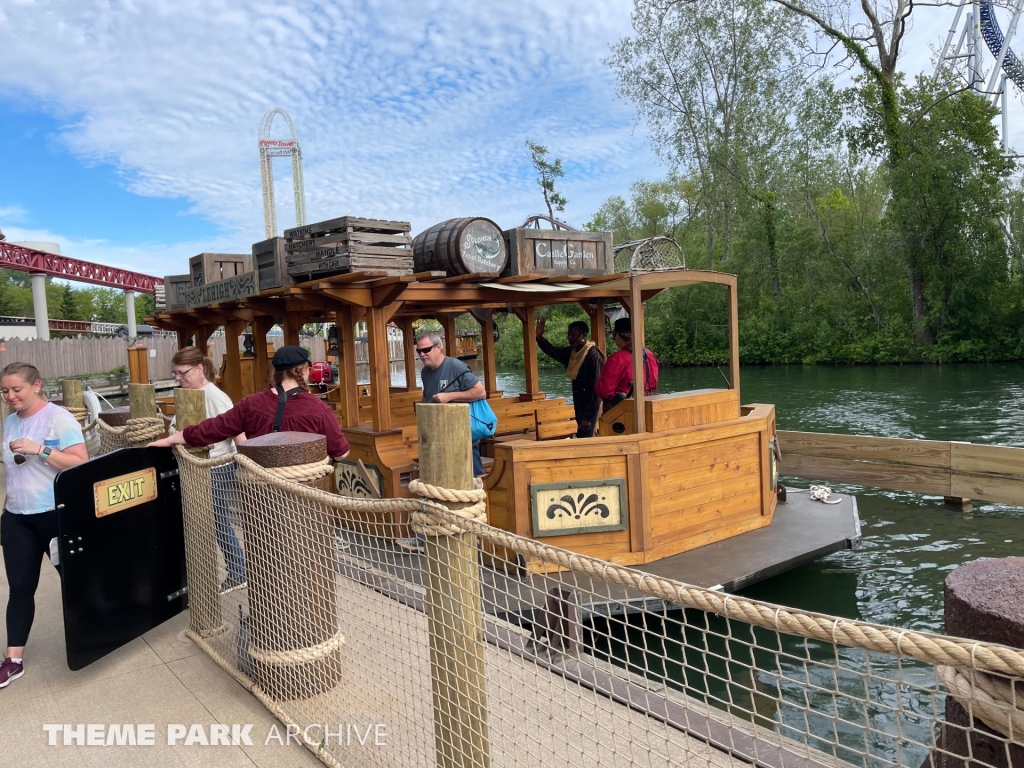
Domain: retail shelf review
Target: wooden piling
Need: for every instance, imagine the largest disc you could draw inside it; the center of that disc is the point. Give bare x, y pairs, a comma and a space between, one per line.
289, 552
200, 531
71, 390
454, 612
142, 401
138, 365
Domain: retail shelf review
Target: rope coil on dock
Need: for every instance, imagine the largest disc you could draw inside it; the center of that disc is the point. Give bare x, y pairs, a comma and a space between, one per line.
295, 656
990, 699
426, 522
299, 473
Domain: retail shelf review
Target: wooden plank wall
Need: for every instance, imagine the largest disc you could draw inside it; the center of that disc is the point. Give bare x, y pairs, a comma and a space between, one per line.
934, 467
81, 357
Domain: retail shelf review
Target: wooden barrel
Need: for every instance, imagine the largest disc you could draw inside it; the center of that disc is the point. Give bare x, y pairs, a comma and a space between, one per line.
460, 247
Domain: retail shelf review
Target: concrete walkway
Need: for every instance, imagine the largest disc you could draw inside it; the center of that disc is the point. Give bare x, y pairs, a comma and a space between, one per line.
161, 678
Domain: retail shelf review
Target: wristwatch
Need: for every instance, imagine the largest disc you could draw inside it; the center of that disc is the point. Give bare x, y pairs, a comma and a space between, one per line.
45, 453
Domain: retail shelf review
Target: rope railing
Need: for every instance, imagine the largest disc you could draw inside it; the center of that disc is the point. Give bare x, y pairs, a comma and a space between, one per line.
590, 664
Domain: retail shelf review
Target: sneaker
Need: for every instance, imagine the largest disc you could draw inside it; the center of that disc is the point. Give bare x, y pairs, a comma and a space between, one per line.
231, 583
10, 670
410, 545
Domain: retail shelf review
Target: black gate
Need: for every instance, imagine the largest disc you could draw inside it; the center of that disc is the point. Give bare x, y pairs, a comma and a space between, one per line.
122, 549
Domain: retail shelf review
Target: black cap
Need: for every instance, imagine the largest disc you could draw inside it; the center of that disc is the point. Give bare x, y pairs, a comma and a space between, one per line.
289, 357
624, 326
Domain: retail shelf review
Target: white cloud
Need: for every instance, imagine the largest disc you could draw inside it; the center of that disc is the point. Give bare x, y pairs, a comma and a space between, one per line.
405, 110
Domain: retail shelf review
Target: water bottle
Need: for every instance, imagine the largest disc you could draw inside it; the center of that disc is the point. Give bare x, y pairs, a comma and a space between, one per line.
51, 440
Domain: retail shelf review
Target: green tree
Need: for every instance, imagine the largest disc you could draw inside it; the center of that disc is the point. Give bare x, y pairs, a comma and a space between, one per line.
547, 172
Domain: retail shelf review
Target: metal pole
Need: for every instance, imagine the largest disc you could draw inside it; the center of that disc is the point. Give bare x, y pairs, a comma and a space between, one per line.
1006, 120
39, 306
949, 39
129, 300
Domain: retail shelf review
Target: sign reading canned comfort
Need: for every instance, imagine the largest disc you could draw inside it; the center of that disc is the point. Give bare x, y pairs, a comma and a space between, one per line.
124, 492
559, 252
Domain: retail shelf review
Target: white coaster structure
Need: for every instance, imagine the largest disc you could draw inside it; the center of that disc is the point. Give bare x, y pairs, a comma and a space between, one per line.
269, 149
981, 30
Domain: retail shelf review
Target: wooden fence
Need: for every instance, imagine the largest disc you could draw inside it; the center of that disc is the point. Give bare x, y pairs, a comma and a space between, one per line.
57, 358
952, 469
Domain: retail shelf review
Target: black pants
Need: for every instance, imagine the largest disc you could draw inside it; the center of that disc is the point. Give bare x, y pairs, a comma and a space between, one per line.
25, 540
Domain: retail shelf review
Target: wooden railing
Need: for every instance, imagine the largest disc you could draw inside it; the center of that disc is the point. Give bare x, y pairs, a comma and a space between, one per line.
952, 469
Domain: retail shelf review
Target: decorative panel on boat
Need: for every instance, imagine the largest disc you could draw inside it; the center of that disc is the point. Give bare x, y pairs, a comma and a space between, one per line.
584, 506
350, 482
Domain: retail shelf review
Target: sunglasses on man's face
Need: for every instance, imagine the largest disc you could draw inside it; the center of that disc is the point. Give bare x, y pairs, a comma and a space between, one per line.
424, 350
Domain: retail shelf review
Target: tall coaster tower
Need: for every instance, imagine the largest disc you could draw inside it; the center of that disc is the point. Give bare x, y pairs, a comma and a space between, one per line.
269, 149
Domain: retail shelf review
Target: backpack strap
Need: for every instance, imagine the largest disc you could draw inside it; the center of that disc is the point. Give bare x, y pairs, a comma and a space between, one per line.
282, 398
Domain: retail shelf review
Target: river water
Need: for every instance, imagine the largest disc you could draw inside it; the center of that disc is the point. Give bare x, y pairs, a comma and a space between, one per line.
910, 544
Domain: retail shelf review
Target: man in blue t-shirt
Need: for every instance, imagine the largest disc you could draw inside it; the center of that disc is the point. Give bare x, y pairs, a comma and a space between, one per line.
446, 380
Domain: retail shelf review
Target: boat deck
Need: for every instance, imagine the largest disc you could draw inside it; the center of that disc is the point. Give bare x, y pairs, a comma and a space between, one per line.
802, 530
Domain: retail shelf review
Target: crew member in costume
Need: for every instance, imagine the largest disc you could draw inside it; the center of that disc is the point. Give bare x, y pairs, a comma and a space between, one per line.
616, 382
584, 363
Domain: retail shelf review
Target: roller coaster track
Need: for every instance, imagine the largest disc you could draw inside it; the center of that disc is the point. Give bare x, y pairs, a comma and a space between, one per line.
994, 39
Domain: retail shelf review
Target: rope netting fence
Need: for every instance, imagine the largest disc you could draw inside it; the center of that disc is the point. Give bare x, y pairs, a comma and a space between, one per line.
459, 656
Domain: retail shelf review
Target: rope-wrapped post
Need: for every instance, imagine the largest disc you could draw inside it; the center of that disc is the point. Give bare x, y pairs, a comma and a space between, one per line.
71, 392
145, 424
289, 549
454, 611
984, 600
205, 618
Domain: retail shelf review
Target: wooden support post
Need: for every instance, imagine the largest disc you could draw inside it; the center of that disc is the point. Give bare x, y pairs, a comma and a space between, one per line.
232, 382
348, 377
200, 531
409, 352
203, 334
261, 373
451, 345
290, 565
636, 318
529, 319
380, 368
454, 613
487, 348
71, 389
138, 365
183, 337
142, 401
734, 339
292, 325
597, 333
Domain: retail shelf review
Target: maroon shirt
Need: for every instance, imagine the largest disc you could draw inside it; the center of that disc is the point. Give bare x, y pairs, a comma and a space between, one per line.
254, 415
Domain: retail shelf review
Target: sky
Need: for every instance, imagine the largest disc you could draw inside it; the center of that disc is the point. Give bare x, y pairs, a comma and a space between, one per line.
128, 128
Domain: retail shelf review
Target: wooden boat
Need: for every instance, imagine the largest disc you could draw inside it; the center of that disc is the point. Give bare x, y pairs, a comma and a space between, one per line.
667, 473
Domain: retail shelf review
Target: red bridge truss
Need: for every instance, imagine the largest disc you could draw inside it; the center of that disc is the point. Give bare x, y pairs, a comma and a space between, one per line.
29, 260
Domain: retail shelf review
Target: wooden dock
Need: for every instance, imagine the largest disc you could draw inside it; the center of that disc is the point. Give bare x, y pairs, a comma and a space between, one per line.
950, 469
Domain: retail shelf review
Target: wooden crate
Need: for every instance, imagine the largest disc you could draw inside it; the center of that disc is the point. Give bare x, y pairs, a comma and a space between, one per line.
558, 252
269, 259
174, 288
308, 267
348, 244
213, 267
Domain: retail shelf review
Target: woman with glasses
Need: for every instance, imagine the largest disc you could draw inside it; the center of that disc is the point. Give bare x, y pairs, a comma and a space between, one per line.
193, 370
287, 406
42, 439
